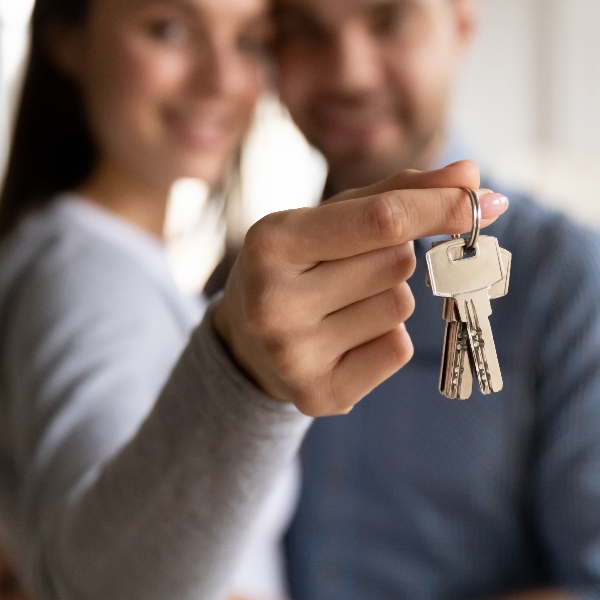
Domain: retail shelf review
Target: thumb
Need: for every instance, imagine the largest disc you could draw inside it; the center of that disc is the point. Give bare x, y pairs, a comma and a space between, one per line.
339, 230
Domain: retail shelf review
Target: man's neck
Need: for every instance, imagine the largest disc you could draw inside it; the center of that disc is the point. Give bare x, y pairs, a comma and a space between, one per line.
342, 178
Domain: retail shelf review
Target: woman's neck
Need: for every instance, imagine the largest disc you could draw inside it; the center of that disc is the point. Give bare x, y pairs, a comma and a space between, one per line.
128, 195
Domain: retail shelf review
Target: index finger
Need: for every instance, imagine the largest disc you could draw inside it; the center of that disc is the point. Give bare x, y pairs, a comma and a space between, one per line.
355, 226
461, 174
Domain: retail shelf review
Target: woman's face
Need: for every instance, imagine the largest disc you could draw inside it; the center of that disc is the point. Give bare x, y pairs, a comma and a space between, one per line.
170, 85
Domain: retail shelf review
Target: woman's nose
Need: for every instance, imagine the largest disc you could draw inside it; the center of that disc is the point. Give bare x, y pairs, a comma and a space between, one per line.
222, 71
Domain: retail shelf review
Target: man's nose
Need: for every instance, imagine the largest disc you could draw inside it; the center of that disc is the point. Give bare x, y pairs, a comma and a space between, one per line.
358, 60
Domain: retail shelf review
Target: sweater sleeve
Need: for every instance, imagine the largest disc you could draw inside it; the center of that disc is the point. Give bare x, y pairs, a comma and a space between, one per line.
123, 495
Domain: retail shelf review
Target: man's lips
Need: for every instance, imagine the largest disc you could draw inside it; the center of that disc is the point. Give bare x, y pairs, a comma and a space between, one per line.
353, 124
363, 120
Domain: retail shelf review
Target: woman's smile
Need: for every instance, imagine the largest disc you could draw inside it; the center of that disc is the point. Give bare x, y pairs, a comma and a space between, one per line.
202, 130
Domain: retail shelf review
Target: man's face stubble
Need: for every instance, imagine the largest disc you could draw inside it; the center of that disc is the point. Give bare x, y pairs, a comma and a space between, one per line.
369, 81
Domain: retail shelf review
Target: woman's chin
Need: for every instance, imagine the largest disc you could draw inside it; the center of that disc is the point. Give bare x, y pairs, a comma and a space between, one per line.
211, 172
177, 160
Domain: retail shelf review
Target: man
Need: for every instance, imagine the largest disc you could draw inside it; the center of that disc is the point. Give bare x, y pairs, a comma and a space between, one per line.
414, 496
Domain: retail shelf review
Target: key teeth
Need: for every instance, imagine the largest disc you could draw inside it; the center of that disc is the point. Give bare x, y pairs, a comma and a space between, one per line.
456, 380
478, 350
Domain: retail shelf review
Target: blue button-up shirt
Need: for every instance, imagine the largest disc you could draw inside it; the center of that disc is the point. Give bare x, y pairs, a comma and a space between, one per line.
414, 496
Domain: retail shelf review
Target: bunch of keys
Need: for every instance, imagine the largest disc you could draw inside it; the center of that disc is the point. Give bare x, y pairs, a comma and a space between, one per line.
468, 274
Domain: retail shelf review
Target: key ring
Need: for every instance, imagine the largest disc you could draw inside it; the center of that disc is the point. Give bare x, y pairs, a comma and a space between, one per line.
476, 228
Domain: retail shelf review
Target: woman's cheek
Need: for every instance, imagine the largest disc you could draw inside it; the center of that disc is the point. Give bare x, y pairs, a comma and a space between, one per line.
256, 87
155, 73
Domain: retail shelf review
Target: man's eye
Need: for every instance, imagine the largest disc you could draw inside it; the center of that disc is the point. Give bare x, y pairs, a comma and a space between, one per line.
294, 26
391, 19
297, 28
169, 30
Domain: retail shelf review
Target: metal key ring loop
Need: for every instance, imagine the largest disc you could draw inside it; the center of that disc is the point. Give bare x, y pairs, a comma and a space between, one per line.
476, 227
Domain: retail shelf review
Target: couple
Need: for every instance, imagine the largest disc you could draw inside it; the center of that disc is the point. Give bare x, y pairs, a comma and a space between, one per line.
128, 472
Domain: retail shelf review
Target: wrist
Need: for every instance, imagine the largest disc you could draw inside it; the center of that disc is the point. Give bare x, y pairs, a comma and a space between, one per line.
223, 329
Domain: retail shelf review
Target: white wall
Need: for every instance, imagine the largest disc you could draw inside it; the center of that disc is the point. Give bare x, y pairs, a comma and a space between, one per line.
529, 101
14, 15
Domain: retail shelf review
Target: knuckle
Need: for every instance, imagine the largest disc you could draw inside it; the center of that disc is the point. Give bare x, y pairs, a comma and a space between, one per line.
322, 399
286, 359
401, 349
458, 208
267, 312
266, 240
258, 245
311, 403
341, 398
403, 260
471, 173
386, 218
257, 309
403, 302
342, 406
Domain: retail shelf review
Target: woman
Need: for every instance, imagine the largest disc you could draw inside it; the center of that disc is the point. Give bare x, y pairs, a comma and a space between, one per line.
121, 98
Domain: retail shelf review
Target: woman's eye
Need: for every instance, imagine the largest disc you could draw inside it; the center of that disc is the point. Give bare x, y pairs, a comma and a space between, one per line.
169, 30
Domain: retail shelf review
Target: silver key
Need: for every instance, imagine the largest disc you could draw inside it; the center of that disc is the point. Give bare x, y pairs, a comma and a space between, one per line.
500, 289
469, 281
456, 378
475, 309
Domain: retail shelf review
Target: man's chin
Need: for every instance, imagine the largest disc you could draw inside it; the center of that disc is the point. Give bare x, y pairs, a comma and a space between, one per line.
360, 169
361, 161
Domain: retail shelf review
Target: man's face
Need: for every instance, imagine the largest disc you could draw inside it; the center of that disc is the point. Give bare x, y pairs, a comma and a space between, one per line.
369, 81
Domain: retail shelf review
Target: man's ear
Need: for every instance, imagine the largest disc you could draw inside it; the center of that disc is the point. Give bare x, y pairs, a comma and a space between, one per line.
65, 46
467, 18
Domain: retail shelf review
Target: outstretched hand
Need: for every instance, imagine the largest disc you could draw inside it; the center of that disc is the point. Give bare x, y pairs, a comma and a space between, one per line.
315, 305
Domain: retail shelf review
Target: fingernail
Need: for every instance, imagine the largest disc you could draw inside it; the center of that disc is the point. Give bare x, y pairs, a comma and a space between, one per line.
492, 205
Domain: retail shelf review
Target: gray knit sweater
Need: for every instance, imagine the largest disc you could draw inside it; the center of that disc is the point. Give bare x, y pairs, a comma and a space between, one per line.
109, 487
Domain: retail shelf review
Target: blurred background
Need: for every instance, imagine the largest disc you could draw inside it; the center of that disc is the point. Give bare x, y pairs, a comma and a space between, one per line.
528, 107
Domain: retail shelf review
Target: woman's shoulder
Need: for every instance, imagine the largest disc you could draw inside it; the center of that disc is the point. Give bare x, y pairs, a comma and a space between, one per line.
63, 258
53, 247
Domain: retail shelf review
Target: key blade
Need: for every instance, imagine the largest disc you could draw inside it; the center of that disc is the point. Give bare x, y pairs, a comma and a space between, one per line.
456, 378
466, 384
461, 384
475, 310
449, 312
447, 358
